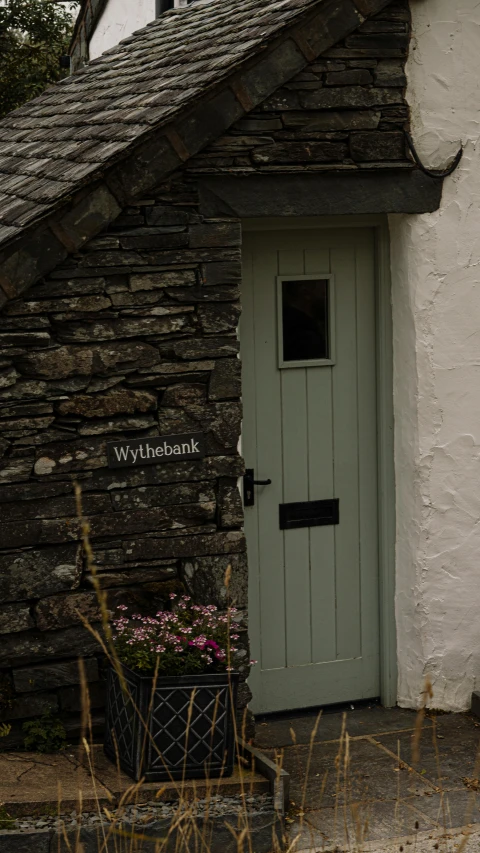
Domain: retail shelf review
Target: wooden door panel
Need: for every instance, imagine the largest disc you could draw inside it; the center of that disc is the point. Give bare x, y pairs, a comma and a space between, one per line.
345, 452
267, 453
312, 430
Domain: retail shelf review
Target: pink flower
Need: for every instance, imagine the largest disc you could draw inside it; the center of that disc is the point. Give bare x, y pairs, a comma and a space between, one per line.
194, 629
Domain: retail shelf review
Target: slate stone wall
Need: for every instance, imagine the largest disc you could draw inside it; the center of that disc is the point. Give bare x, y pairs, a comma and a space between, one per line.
135, 336
347, 110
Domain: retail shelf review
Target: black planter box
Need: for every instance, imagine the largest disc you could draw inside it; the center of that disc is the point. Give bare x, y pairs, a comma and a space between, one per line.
175, 747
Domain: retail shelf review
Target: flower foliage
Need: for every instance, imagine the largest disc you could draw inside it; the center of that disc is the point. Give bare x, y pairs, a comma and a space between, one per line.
187, 640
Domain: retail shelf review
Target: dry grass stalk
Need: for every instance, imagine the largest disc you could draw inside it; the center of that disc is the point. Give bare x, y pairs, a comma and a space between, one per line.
188, 832
427, 695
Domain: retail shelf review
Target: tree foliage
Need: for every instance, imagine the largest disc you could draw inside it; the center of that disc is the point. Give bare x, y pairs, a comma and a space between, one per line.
34, 34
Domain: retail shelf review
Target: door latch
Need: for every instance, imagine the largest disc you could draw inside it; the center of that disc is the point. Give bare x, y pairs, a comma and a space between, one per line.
249, 483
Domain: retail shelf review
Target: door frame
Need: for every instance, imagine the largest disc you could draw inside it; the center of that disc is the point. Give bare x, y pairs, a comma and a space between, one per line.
385, 422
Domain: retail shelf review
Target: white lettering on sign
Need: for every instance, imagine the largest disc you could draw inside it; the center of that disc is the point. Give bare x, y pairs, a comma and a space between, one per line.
166, 448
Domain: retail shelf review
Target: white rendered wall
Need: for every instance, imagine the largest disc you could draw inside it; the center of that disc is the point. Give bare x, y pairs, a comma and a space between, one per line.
436, 318
119, 20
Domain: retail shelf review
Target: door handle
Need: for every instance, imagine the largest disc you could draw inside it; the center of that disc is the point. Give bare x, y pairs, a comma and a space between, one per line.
249, 483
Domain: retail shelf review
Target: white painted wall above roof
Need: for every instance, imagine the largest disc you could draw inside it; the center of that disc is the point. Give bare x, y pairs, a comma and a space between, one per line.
119, 20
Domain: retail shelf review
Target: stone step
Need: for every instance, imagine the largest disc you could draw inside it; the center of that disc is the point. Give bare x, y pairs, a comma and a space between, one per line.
79, 797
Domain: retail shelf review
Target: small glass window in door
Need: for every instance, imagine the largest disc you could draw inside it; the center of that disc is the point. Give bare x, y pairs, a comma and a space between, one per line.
306, 320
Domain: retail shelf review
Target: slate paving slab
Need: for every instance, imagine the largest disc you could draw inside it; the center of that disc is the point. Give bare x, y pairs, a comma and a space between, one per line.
31, 783
457, 724
378, 799
447, 760
372, 774
359, 823
363, 720
431, 843
451, 809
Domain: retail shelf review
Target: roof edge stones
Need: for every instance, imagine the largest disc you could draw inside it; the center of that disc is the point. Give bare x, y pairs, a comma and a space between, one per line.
156, 155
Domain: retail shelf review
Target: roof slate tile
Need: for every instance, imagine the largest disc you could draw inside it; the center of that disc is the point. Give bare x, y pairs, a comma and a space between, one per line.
65, 136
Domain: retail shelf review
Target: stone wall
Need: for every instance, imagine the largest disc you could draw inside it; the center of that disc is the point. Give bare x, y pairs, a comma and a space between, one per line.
346, 110
133, 337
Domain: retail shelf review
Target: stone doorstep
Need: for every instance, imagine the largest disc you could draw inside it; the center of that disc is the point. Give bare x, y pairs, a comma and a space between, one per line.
32, 784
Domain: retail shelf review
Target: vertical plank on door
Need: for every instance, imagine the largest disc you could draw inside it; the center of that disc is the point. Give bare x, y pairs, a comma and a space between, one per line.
366, 369
320, 480
249, 450
269, 456
295, 488
346, 454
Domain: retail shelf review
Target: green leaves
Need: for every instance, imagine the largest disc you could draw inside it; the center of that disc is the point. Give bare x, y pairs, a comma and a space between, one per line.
34, 34
143, 660
46, 734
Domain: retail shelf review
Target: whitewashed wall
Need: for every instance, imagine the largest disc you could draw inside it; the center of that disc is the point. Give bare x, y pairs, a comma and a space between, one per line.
119, 20
436, 312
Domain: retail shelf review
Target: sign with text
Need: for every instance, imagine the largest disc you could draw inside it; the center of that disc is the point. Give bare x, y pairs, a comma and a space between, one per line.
152, 451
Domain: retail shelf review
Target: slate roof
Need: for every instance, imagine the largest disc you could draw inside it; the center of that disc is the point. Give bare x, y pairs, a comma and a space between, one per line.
65, 137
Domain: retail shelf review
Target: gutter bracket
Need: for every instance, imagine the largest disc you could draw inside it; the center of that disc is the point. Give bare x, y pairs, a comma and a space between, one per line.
433, 173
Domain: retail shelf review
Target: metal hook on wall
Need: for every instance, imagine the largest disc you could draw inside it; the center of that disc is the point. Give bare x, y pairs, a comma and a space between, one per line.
433, 173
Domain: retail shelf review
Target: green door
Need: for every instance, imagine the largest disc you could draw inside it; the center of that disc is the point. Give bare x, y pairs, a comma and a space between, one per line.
309, 389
